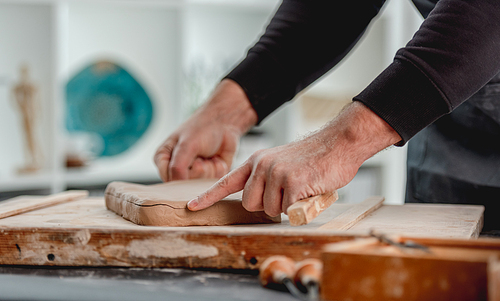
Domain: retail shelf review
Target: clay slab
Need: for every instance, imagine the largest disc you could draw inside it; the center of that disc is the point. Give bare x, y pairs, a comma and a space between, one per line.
165, 205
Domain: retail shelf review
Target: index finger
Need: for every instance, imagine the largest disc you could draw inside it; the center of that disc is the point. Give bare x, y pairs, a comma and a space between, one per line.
230, 183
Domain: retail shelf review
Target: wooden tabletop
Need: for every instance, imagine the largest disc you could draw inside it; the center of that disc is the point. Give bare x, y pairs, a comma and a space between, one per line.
85, 233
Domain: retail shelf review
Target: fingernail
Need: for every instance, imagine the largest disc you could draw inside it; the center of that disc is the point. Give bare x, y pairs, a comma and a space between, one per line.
192, 204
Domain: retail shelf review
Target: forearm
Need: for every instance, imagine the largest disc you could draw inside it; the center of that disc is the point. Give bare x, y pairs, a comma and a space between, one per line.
303, 41
452, 55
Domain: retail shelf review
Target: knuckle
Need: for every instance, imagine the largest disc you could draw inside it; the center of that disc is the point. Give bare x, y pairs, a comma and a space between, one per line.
223, 184
277, 171
263, 165
224, 181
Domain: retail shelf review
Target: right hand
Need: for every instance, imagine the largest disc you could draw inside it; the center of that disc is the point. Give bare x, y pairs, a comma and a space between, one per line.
204, 145
326, 160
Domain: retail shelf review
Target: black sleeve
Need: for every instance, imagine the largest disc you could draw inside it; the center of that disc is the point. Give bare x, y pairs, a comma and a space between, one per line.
454, 53
304, 40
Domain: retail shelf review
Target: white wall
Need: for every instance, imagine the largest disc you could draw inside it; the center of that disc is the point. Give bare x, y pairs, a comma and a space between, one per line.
25, 32
145, 41
216, 38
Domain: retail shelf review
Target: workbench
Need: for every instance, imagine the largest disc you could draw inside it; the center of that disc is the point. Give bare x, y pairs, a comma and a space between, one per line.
82, 251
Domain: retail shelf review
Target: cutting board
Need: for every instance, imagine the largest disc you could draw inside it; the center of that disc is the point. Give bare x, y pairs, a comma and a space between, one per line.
85, 233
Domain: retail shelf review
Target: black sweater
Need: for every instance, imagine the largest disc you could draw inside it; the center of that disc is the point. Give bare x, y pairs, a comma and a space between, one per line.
455, 52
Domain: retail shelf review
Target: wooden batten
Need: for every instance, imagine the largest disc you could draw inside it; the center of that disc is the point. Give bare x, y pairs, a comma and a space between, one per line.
304, 211
23, 204
358, 212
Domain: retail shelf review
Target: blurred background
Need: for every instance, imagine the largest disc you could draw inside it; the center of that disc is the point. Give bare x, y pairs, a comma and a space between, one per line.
90, 88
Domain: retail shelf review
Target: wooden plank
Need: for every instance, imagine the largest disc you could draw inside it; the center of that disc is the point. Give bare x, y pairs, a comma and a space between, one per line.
425, 220
24, 204
483, 243
354, 215
85, 233
155, 248
494, 279
304, 211
384, 272
92, 212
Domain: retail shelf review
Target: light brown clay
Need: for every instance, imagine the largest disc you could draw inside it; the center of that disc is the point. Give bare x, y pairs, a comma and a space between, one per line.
165, 205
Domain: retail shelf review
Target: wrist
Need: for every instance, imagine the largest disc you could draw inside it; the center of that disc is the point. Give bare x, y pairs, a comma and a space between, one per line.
230, 105
361, 133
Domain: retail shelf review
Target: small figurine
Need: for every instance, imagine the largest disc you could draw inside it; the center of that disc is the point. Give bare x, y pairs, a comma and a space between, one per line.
25, 95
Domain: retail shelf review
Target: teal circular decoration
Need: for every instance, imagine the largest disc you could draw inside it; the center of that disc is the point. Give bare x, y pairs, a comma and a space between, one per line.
106, 100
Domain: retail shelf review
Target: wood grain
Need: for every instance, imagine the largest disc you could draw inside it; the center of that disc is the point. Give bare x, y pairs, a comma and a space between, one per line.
24, 204
304, 211
349, 218
494, 278
425, 220
85, 233
383, 272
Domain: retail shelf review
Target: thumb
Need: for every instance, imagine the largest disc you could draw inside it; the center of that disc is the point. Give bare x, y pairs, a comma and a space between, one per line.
230, 183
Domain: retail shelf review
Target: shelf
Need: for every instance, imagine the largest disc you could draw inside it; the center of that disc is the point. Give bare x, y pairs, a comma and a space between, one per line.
26, 182
102, 174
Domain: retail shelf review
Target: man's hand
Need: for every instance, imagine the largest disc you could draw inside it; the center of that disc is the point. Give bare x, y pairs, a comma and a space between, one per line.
204, 145
275, 178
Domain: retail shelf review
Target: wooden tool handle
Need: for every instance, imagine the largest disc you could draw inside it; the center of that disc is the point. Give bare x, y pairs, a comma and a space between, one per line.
308, 272
304, 211
275, 269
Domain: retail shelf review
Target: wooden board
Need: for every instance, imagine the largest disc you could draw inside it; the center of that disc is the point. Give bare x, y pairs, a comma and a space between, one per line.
85, 233
425, 220
494, 278
377, 271
355, 214
24, 204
